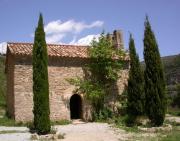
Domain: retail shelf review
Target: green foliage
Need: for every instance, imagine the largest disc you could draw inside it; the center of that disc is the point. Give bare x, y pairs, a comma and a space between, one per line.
40, 81
104, 66
61, 122
122, 109
135, 89
173, 111
5, 121
176, 99
172, 136
105, 62
103, 115
93, 91
156, 101
121, 122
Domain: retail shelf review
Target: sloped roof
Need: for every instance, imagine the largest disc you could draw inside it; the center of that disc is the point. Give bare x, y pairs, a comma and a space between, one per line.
54, 50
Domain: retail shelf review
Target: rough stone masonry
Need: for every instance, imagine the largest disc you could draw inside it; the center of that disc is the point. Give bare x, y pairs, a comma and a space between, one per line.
65, 61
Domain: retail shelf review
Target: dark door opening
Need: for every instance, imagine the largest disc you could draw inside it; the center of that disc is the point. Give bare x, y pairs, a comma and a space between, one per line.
76, 106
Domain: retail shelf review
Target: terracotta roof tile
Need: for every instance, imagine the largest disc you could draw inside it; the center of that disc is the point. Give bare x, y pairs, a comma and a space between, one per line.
53, 50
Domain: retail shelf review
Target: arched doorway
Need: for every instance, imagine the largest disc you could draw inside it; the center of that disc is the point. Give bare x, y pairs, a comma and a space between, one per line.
76, 106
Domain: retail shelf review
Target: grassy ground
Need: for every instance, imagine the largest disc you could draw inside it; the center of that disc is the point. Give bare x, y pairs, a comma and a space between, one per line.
11, 131
136, 134
174, 111
172, 136
4, 121
61, 122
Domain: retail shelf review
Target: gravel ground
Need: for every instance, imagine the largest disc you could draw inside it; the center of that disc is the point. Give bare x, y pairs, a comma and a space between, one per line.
14, 134
23, 129
15, 137
173, 118
91, 132
73, 132
80, 131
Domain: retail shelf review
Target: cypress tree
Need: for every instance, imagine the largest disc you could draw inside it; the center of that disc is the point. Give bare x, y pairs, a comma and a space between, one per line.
40, 81
135, 89
156, 100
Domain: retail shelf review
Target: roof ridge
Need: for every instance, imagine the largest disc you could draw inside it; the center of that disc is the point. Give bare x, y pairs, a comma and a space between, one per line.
28, 43
59, 50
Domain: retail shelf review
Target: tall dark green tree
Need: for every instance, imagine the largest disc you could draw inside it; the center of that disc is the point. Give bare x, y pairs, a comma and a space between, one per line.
156, 100
135, 89
40, 81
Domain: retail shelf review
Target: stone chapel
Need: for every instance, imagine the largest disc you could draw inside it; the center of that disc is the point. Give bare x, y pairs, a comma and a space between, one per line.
65, 61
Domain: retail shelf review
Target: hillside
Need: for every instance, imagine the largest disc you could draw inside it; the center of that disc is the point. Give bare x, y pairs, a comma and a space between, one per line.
172, 71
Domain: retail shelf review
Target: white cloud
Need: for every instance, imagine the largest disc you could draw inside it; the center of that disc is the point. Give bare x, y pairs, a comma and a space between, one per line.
69, 26
57, 30
55, 38
85, 40
3, 48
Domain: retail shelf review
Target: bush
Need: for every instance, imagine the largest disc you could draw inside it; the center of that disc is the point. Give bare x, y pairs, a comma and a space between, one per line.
130, 120
176, 98
103, 115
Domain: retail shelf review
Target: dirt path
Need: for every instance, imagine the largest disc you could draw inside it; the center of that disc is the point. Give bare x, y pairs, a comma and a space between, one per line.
73, 132
173, 118
79, 131
91, 132
14, 134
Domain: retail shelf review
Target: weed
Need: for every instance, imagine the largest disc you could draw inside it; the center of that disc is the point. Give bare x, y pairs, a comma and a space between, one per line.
11, 131
61, 122
61, 136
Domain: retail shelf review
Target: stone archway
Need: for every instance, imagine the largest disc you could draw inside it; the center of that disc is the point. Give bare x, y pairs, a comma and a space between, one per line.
76, 106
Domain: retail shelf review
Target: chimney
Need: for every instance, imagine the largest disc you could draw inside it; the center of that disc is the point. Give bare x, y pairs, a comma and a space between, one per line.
118, 39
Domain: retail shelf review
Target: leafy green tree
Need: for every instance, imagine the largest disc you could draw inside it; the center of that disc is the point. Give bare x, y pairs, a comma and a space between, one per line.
156, 100
40, 81
102, 70
104, 66
105, 60
135, 89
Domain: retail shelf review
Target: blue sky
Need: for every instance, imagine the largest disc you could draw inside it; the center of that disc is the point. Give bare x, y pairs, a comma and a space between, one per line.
76, 21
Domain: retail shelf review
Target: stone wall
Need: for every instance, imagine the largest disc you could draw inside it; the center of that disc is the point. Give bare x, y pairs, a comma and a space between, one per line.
59, 88
59, 70
114, 98
23, 92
